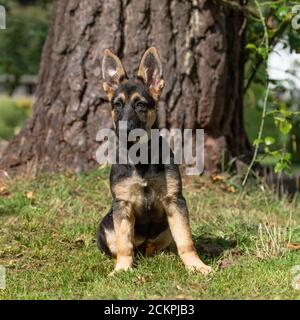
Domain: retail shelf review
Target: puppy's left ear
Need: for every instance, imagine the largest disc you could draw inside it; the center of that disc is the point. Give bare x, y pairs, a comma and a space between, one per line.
150, 71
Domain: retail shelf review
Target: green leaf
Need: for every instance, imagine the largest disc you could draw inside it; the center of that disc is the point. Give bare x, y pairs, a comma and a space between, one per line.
282, 11
261, 158
257, 142
287, 156
276, 154
266, 149
279, 119
284, 112
293, 37
263, 52
279, 167
251, 46
285, 127
269, 140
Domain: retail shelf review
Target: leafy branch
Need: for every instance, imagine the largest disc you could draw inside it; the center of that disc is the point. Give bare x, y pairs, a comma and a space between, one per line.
272, 42
265, 57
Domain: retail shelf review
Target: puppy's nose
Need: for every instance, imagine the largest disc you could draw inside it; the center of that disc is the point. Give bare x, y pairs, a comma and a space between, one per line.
130, 125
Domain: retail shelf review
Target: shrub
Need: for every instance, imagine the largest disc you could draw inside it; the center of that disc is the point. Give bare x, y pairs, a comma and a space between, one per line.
12, 117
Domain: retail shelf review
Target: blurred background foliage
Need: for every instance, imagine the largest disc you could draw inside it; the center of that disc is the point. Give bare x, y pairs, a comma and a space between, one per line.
21, 46
13, 113
22, 42
282, 124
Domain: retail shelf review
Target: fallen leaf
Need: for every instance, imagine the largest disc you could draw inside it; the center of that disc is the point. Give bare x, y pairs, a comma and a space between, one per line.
293, 246
231, 189
80, 240
29, 195
218, 177
4, 191
83, 240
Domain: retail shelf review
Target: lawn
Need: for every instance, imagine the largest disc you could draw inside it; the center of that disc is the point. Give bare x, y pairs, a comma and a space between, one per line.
47, 243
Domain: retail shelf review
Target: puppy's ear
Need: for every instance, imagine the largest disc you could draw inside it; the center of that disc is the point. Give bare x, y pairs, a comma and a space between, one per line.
150, 71
112, 72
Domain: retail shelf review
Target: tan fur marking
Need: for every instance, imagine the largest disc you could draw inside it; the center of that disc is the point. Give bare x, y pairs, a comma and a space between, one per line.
168, 190
121, 97
172, 186
131, 190
113, 114
165, 190
151, 117
181, 233
150, 249
136, 96
124, 220
108, 90
111, 241
180, 230
156, 92
161, 242
124, 262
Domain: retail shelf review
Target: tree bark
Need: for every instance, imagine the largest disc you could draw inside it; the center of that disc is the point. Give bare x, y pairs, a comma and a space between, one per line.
201, 48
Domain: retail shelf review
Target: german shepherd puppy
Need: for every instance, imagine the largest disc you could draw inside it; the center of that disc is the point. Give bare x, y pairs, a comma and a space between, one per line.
148, 208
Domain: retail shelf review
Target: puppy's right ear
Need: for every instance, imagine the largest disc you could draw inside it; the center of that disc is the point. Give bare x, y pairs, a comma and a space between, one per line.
112, 72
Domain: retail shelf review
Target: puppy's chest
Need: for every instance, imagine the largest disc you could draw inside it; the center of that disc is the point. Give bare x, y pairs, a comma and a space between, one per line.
144, 193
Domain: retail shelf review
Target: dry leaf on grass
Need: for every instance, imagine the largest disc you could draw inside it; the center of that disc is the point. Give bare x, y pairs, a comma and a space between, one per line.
218, 177
231, 189
4, 191
80, 240
29, 195
293, 246
83, 240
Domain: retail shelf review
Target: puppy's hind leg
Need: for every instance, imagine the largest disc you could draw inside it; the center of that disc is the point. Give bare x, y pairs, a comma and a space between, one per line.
159, 243
106, 237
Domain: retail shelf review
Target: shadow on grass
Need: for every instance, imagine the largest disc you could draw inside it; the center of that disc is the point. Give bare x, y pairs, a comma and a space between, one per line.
213, 247
208, 248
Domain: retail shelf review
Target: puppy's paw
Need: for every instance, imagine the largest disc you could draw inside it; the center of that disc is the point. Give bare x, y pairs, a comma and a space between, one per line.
192, 262
201, 268
119, 269
123, 264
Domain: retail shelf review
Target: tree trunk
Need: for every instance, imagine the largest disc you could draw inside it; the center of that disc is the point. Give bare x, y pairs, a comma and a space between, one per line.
201, 48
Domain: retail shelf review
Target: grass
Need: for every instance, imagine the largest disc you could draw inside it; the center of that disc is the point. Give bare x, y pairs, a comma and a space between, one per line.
47, 244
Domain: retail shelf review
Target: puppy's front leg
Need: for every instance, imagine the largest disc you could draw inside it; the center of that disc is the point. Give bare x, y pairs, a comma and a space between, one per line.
123, 217
177, 214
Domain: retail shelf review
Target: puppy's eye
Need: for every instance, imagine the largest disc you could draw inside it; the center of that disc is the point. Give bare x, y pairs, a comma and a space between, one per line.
118, 105
141, 105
